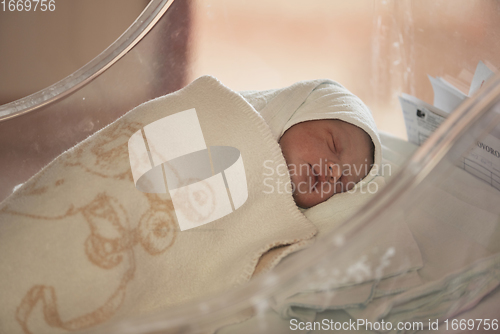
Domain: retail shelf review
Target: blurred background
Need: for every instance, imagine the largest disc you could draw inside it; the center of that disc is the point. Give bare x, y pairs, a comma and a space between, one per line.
362, 44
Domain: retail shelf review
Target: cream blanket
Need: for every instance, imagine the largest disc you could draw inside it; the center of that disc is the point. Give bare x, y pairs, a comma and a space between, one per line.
81, 245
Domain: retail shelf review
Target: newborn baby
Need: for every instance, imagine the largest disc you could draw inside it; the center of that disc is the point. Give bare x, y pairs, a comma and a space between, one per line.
325, 157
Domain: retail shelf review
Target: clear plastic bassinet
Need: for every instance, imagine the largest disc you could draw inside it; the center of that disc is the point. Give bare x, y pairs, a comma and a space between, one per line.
454, 277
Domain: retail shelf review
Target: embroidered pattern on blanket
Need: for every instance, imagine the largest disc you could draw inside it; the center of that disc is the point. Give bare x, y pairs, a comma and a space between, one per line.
156, 232
112, 147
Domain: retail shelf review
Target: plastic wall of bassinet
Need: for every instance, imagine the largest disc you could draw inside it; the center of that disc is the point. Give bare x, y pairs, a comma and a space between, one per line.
404, 51
147, 61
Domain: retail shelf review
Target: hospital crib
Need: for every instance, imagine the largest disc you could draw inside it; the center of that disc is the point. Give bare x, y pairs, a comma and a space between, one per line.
457, 231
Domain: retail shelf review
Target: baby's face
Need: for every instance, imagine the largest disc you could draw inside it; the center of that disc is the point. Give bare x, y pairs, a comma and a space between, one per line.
325, 157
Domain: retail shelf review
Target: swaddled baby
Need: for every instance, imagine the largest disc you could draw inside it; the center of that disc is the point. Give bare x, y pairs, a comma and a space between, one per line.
327, 135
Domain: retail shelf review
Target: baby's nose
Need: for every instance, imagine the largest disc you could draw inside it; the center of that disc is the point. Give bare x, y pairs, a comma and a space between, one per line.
333, 172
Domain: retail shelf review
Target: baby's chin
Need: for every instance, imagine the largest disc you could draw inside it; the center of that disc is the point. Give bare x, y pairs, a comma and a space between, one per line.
307, 200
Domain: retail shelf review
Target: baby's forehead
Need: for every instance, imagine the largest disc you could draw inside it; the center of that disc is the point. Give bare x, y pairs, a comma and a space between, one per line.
338, 124
353, 131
